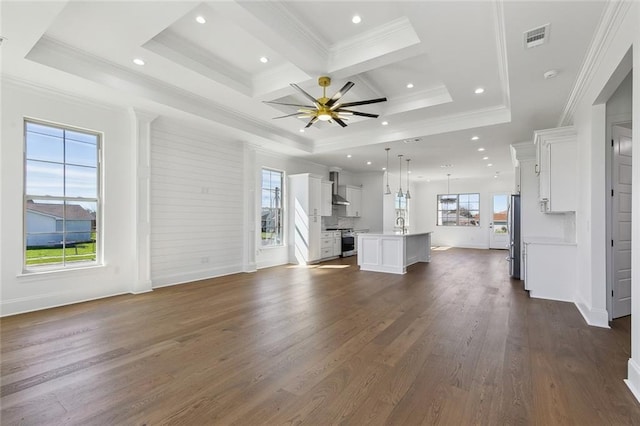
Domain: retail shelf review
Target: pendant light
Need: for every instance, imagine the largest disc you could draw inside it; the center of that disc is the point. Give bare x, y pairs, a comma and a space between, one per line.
407, 194
400, 194
388, 190
448, 190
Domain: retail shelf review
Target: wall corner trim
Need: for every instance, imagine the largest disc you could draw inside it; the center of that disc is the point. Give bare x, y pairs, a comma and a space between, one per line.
633, 381
593, 317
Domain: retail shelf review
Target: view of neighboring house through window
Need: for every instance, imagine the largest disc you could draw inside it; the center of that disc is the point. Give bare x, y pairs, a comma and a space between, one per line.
459, 210
271, 213
61, 195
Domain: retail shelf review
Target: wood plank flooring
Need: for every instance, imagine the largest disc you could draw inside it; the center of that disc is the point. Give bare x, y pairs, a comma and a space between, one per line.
453, 342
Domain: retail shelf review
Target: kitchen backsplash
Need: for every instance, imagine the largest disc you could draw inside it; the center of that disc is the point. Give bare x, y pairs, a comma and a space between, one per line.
338, 222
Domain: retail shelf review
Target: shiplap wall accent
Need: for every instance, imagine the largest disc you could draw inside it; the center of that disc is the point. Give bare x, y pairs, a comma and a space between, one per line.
196, 205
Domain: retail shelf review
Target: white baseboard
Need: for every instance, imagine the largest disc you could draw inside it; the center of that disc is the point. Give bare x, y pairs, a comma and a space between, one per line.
203, 274
633, 381
47, 301
594, 317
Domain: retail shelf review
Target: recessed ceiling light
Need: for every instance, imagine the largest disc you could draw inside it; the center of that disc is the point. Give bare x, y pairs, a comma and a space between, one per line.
301, 130
138, 61
384, 123
409, 172
348, 155
384, 168
495, 176
264, 59
479, 90
485, 158
356, 19
200, 20
368, 163
489, 165
480, 149
550, 74
475, 138
445, 166
410, 86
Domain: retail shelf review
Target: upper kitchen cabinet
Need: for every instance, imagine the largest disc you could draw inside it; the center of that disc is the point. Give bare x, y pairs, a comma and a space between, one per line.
353, 194
556, 166
326, 207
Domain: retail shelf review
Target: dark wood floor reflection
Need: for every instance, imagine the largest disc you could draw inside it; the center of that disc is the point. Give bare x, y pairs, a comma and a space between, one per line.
452, 342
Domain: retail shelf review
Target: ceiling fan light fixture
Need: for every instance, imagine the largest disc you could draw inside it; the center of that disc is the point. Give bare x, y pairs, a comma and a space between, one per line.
326, 108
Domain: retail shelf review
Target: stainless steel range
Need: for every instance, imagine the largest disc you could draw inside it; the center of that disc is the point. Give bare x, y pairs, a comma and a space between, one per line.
348, 241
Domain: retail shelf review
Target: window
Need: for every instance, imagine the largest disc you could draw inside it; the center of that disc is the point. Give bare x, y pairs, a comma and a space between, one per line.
402, 211
61, 195
459, 210
271, 213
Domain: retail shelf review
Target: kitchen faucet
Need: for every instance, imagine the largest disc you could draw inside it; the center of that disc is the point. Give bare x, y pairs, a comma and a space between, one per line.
401, 220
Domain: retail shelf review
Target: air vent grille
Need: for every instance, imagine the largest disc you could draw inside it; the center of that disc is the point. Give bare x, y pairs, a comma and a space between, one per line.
536, 36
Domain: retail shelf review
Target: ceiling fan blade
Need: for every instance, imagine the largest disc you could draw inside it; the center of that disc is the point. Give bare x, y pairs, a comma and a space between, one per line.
369, 101
339, 121
340, 93
308, 96
313, 120
362, 114
285, 116
283, 103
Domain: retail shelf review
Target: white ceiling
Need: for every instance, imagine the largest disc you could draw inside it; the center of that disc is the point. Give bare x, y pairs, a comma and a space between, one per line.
211, 74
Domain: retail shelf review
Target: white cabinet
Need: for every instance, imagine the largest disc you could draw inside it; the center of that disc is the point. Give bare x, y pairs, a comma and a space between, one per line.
330, 246
550, 269
325, 201
337, 243
556, 167
353, 194
305, 193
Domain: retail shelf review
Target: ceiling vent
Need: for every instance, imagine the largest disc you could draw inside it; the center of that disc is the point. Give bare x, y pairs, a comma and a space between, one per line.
536, 36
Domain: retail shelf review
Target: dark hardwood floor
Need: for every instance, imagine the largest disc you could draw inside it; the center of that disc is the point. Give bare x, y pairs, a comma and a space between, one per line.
453, 342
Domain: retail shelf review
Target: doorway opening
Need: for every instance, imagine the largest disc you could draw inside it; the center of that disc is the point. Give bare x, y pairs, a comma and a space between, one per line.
498, 227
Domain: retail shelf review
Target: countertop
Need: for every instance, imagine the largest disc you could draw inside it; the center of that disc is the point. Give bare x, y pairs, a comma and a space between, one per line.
393, 234
547, 241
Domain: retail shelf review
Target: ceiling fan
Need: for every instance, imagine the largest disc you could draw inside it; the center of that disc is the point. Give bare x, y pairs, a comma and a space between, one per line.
328, 109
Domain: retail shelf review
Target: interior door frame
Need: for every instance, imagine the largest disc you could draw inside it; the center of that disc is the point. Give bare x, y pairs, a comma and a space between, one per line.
621, 122
491, 223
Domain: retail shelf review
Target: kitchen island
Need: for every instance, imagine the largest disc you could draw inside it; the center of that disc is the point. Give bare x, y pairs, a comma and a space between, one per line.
393, 253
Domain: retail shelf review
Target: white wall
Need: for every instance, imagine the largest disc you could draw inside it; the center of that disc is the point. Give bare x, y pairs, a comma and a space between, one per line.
372, 201
424, 201
25, 292
197, 202
590, 122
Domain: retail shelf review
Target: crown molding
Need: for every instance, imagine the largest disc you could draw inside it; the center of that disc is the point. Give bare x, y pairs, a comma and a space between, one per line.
613, 14
50, 91
377, 43
171, 46
53, 53
501, 44
450, 123
417, 100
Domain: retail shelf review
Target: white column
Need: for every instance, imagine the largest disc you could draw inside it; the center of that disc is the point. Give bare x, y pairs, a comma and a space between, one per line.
141, 135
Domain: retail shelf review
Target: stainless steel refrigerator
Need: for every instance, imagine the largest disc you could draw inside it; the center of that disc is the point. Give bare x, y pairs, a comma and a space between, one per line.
514, 236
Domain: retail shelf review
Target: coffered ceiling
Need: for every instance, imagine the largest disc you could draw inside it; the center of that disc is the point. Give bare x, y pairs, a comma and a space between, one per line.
212, 73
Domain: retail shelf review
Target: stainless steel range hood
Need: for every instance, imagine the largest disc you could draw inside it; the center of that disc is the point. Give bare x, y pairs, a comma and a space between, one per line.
336, 199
